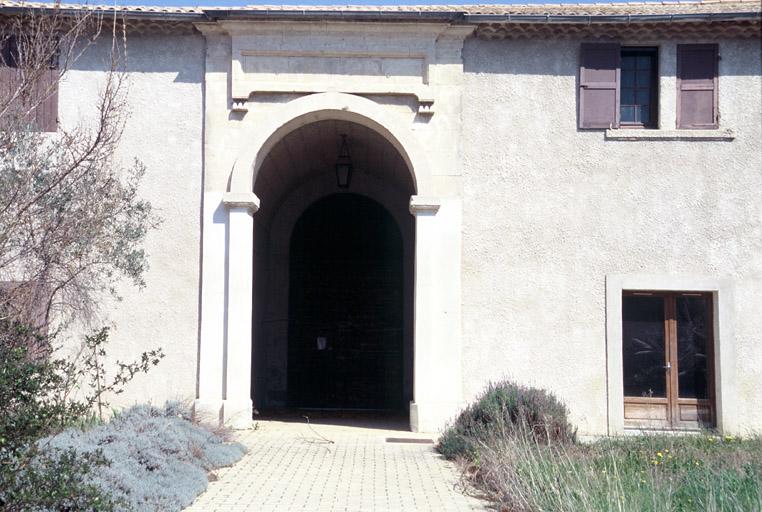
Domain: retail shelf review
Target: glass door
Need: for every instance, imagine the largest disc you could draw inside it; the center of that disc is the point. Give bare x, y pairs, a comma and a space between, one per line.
667, 360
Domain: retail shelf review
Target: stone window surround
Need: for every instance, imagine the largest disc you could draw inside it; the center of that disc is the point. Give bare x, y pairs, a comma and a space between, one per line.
724, 341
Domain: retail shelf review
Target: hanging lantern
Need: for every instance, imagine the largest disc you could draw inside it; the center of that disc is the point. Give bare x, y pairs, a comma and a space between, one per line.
343, 164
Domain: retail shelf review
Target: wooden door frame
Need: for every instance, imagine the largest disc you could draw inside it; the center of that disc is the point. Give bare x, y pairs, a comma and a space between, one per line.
672, 402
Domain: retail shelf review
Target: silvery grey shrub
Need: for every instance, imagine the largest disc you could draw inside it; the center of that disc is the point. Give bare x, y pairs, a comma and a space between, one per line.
158, 459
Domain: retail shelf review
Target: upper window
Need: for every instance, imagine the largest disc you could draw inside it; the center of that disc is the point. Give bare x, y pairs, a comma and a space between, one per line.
638, 87
667, 358
619, 86
9, 52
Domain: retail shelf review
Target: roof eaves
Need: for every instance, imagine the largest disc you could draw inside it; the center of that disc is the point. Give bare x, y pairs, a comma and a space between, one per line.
148, 15
610, 13
337, 14
588, 19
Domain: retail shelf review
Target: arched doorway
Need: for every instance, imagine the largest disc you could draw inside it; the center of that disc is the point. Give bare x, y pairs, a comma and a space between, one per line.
345, 331
333, 274
285, 163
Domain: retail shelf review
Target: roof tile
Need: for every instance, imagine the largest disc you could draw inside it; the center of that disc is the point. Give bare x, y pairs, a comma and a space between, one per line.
636, 7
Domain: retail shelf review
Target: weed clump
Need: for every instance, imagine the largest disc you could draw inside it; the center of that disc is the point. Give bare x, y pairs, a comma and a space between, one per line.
507, 409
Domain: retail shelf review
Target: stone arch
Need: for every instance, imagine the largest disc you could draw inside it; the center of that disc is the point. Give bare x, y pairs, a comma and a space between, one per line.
225, 374
270, 326
308, 193
322, 106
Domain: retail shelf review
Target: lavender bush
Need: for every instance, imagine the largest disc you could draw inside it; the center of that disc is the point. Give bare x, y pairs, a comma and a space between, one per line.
158, 459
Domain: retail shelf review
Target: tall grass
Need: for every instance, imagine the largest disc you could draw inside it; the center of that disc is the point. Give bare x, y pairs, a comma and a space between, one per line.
517, 447
638, 474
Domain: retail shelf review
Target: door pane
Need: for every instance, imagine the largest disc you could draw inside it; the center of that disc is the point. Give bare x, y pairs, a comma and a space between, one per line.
643, 346
692, 344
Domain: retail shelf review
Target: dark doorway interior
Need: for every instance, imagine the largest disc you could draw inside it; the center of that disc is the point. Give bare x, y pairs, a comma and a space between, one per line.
345, 329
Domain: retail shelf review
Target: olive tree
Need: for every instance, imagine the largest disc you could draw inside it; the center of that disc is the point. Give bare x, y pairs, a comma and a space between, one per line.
71, 221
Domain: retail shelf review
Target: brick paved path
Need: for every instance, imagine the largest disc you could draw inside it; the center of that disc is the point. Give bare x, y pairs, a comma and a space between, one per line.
289, 468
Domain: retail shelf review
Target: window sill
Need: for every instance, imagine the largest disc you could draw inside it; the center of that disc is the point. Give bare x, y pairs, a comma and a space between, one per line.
628, 134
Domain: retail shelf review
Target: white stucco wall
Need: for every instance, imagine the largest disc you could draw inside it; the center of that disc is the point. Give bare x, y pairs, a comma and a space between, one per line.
164, 131
549, 211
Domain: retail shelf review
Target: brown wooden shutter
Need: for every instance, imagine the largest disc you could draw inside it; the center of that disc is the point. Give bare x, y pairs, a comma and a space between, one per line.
9, 82
697, 86
43, 94
599, 85
46, 112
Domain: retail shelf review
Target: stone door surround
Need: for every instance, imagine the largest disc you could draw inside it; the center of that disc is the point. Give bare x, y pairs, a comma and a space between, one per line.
355, 61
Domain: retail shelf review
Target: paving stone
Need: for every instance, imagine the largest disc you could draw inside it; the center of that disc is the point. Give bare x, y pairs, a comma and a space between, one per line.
289, 468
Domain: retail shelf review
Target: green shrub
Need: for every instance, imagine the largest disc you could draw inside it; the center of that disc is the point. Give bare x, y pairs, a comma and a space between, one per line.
53, 479
37, 388
31, 407
38, 398
507, 409
518, 450
31, 388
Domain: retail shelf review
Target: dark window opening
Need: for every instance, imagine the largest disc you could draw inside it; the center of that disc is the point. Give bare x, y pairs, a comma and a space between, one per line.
15, 53
9, 52
638, 97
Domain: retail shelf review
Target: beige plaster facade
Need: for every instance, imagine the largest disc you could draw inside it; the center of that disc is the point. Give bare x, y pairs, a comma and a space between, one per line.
519, 230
